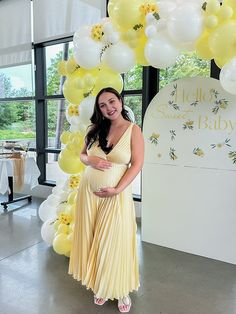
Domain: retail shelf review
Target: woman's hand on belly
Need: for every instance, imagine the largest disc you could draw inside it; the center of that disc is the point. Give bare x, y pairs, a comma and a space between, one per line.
99, 163
106, 192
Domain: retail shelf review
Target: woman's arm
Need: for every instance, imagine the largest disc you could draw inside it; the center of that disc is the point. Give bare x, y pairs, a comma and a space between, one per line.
136, 163
94, 161
137, 157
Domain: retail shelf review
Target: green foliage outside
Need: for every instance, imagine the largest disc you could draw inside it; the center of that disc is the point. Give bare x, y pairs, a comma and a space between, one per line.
188, 64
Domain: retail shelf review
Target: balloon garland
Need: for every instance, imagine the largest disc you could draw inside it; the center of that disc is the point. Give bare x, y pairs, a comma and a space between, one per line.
144, 32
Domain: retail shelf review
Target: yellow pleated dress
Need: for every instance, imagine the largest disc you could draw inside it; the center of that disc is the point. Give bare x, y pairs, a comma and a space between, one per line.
104, 249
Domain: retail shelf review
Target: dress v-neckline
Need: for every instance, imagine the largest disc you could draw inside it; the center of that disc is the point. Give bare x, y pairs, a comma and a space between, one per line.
113, 147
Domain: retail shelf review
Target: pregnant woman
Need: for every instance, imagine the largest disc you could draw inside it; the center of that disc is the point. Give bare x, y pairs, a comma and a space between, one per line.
104, 253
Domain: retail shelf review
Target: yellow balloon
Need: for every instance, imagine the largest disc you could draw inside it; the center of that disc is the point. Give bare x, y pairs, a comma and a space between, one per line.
125, 14
107, 77
61, 244
139, 51
56, 224
69, 162
226, 12
72, 198
222, 41
232, 4
61, 68
220, 62
212, 7
71, 65
62, 228
71, 93
65, 136
202, 47
211, 21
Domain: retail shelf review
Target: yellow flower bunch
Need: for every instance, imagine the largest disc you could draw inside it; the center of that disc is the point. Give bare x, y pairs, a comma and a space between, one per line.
73, 110
148, 8
223, 103
74, 181
198, 152
189, 123
64, 218
97, 32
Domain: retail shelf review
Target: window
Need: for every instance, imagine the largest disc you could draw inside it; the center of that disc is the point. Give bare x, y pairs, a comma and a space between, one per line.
188, 64
17, 106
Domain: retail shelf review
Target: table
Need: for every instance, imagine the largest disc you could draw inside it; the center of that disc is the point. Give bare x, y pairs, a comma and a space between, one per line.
31, 175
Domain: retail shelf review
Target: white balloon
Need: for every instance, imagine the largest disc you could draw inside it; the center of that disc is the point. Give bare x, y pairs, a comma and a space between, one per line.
57, 190
150, 31
86, 109
165, 8
228, 76
87, 52
185, 24
61, 208
160, 52
130, 113
75, 120
53, 200
83, 31
113, 38
46, 211
48, 231
119, 57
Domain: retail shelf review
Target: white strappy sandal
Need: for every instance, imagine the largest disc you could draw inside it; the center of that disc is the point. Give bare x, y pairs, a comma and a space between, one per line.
124, 304
99, 301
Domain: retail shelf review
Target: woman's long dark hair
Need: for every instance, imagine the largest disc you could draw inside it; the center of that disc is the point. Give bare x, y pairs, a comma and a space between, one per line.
100, 125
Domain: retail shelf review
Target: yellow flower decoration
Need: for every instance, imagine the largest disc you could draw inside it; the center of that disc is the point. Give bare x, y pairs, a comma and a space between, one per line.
74, 181
64, 218
97, 32
73, 110
154, 138
148, 8
198, 152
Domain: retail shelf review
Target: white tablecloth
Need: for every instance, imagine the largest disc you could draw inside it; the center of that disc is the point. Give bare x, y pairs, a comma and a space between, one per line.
6, 170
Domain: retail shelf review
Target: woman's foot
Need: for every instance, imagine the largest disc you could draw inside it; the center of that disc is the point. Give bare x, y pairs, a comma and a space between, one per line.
99, 301
124, 304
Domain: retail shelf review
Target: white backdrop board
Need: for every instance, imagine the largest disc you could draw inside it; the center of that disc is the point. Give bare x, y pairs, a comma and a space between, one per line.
189, 174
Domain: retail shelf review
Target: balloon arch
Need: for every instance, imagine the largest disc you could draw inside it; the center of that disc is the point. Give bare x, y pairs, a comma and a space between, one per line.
144, 32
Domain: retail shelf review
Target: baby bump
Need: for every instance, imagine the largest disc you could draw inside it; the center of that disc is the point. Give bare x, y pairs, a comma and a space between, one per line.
98, 179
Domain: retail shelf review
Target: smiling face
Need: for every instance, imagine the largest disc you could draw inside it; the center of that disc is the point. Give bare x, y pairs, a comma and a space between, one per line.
110, 106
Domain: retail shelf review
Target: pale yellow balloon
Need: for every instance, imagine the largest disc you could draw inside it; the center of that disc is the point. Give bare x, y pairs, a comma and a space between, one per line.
222, 41
72, 198
202, 47
125, 14
139, 51
61, 68
62, 228
71, 93
61, 244
107, 78
232, 4
211, 21
56, 224
220, 62
69, 162
212, 7
71, 65
65, 137
226, 12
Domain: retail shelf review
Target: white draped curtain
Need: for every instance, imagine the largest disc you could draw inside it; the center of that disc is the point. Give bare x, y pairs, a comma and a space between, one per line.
55, 19
15, 32
51, 19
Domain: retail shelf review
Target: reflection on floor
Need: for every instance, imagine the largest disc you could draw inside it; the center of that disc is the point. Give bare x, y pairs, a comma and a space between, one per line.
33, 279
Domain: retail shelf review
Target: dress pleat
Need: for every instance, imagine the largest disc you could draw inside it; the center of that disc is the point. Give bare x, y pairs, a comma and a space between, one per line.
104, 251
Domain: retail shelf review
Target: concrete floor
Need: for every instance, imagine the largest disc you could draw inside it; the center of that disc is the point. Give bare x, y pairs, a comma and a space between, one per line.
33, 279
